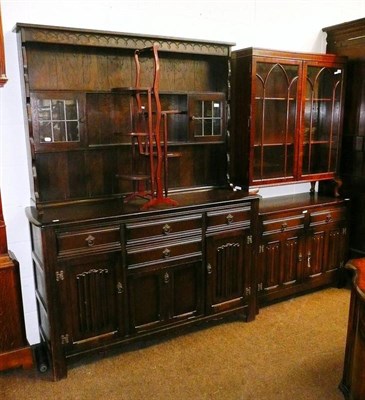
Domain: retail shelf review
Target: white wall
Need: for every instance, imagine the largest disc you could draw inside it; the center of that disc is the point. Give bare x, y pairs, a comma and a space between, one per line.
284, 25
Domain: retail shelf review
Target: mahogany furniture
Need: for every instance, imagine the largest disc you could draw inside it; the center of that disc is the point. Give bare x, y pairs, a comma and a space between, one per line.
286, 117
353, 380
107, 124
303, 244
348, 39
14, 347
109, 270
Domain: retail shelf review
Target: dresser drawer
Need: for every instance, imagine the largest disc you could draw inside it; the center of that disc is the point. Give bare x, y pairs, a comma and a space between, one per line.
283, 223
228, 217
163, 228
88, 240
327, 216
163, 253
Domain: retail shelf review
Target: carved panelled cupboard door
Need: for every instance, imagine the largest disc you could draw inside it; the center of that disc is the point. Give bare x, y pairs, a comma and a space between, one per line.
280, 262
158, 296
91, 292
228, 267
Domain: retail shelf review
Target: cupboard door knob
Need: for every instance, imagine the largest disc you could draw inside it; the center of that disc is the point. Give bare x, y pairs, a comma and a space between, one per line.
90, 241
209, 269
284, 226
300, 257
166, 253
229, 218
166, 278
166, 229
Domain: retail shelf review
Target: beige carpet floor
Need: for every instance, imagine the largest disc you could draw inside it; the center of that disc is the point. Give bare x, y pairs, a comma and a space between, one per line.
293, 350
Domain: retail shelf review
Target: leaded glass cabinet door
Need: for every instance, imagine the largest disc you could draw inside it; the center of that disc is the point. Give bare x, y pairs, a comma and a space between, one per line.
275, 122
322, 120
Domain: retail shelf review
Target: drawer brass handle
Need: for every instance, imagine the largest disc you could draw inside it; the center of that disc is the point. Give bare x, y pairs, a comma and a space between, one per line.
90, 241
166, 229
328, 218
284, 226
166, 253
229, 219
166, 278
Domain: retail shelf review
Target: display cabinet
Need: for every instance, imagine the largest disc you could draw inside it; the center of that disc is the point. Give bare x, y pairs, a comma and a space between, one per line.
303, 244
286, 117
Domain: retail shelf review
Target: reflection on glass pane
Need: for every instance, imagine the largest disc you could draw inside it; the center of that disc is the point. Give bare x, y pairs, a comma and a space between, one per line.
45, 132
44, 109
59, 131
207, 127
73, 131
57, 109
216, 127
198, 128
207, 109
198, 111
216, 110
71, 109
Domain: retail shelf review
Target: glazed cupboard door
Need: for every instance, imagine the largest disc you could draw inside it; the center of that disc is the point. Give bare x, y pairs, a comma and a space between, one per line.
287, 111
275, 115
322, 119
91, 291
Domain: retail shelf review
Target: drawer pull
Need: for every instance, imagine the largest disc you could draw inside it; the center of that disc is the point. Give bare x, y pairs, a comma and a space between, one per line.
229, 219
284, 226
90, 241
166, 229
166, 253
166, 278
328, 218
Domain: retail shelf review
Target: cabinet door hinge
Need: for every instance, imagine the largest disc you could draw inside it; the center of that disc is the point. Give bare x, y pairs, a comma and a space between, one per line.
249, 239
261, 248
259, 287
248, 291
344, 231
65, 339
60, 276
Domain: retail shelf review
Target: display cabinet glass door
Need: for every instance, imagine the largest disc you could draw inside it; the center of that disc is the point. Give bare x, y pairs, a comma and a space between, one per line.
322, 119
276, 107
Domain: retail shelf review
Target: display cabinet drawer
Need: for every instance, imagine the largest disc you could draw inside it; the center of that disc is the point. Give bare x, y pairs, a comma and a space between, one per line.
282, 224
229, 217
88, 240
153, 230
327, 216
137, 256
